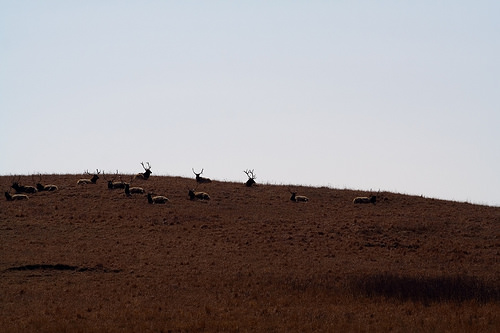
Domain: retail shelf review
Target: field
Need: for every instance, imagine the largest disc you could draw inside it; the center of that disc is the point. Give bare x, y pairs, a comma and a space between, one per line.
89, 259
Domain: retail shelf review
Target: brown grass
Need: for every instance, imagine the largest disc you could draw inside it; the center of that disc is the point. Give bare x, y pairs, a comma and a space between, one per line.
86, 258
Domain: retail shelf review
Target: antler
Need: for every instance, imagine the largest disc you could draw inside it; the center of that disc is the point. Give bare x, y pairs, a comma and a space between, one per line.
250, 174
119, 176
197, 174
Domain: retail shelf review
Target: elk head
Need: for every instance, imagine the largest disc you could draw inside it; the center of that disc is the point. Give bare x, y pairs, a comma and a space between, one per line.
251, 178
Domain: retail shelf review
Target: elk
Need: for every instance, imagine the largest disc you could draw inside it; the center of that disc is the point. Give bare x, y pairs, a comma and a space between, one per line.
147, 172
365, 200
10, 197
198, 195
114, 185
297, 198
21, 188
132, 190
159, 199
47, 188
199, 179
251, 178
92, 180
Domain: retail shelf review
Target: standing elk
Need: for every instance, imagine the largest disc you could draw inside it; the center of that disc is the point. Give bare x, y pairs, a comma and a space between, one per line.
251, 178
297, 198
199, 179
198, 195
365, 200
159, 199
147, 172
133, 190
13, 197
21, 188
92, 180
114, 185
46, 188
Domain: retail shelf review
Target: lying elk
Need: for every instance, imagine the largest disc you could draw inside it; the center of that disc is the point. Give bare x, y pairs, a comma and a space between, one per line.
159, 199
21, 188
251, 178
365, 200
147, 172
114, 185
47, 188
198, 195
92, 180
297, 198
199, 179
133, 190
13, 197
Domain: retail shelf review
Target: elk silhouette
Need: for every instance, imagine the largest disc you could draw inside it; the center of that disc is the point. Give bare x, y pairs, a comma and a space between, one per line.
159, 199
251, 178
47, 188
365, 200
199, 179
297, 198
115, 185
21, 188
13, 197
92, 180
133, 190
198, 195
147, 172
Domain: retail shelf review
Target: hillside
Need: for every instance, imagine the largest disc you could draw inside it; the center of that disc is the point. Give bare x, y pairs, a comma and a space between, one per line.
88, 258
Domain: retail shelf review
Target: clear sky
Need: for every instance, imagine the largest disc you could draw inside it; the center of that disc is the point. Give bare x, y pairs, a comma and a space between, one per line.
370, 95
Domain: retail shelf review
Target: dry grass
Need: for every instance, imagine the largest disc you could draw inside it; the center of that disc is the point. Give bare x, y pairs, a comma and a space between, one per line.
86, 258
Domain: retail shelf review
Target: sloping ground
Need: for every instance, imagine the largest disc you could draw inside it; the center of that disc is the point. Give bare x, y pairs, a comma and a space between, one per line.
88, 258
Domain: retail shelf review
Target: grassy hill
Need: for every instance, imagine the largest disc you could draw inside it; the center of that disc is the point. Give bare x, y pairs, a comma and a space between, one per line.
86, 258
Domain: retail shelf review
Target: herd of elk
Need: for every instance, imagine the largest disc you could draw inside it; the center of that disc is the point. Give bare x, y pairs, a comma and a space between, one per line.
92, 180
144, 175
112, 184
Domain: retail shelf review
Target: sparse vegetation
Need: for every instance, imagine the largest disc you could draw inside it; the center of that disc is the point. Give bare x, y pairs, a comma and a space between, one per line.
88, 259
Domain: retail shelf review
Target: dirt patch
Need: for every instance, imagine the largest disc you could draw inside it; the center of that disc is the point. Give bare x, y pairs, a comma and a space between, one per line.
62, 267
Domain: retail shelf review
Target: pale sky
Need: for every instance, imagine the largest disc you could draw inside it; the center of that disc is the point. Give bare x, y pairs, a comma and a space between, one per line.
372, 95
